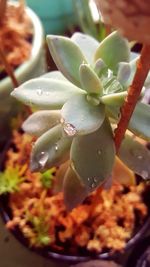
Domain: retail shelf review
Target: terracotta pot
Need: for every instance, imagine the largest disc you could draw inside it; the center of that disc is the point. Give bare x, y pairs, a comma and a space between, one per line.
132, 18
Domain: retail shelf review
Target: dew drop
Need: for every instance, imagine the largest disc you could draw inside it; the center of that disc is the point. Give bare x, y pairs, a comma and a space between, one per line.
144, 174
89, 179
69, 129
62, 121
39, 92
93, 185
99, 152
95, 180
42, 159
140, 157
47, 93
56, 147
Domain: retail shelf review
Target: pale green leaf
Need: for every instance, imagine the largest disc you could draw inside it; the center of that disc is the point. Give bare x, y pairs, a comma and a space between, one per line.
50, 149
112, 50
74, 191
124, 72
89, 80
93, 156
82, 115
136, 156
45, 93
87, 44
140, 121
57, 75
67, 56
116, 99
41, 121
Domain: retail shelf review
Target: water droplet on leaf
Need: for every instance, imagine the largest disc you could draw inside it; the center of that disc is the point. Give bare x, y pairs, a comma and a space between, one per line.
95, 180
69, 129
93, 185
62, 121
140, 157
39, 92
56, 147
42, 159
99, 152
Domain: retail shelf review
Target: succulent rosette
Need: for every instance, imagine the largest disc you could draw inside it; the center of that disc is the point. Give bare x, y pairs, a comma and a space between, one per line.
78, 108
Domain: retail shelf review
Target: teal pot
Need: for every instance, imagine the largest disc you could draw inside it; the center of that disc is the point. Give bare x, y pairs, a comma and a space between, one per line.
29, 69
56, 15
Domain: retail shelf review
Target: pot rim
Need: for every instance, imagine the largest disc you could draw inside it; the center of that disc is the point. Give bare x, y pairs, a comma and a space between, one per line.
6, 85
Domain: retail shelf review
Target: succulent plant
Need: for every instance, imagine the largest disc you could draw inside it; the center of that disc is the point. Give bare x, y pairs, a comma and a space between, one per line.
79, 106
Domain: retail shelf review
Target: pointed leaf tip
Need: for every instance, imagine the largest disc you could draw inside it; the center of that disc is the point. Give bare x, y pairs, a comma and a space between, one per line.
93, 156
41, 121
67, 56
89, 80
112, 50
45, 93
136, 156
74, 191
50, 149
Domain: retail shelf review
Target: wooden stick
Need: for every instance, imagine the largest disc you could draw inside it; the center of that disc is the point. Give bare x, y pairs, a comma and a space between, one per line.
8, 68
143, 67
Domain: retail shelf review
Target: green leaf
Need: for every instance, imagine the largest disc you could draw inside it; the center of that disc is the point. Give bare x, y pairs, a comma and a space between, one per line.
82, 115
50, 149
10, 180
87, 44
45, 93
57, 75
110, 83
112, 50
47, 178
116, 99
132, 65
124, 72
67, 56
136, 156
89, 80
93, 156
41, 121
74, 191
100, 67
140, 121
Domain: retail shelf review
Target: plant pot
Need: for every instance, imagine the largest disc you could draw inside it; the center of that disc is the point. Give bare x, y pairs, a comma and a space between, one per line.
140, 256
29, 69
56, 15
55, 258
